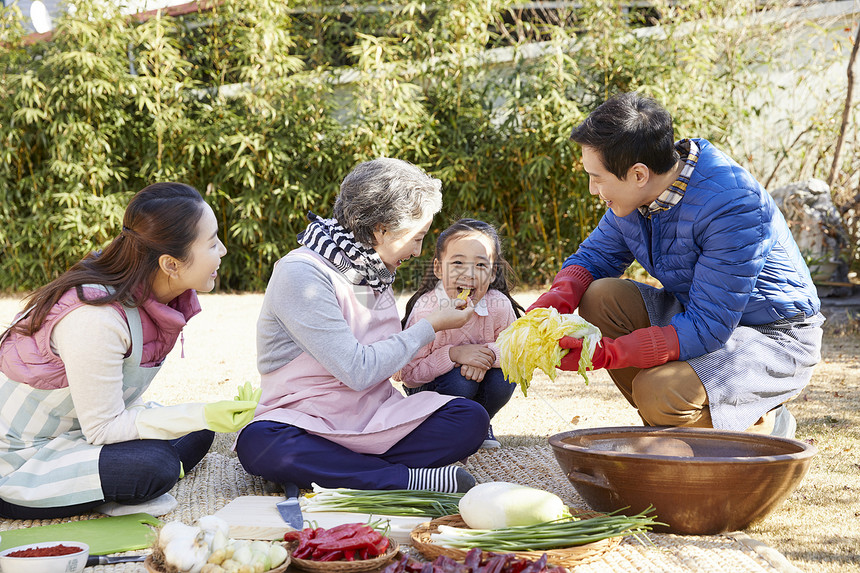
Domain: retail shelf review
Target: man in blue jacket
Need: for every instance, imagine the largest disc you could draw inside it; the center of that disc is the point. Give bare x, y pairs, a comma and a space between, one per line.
735, 331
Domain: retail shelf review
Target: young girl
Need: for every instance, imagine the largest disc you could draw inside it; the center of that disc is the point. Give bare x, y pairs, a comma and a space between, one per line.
74, 433
468, 263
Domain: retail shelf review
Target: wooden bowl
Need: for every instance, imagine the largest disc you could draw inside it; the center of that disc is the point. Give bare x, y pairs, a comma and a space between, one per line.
700, 481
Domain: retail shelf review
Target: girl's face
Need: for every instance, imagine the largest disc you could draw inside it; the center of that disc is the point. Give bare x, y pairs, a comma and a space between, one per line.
200, 270
466, 263
395, 247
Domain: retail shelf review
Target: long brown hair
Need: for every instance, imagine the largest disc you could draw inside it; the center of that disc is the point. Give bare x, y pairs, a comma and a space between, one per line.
503, 274
160, 219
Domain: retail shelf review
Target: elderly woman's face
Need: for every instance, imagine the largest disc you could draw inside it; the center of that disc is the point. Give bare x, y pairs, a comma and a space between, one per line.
395, 247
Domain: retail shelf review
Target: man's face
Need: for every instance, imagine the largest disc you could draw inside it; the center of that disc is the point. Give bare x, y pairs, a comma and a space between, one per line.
623, 196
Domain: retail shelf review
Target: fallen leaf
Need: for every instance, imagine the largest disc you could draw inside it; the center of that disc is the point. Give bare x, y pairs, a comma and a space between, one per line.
574, 420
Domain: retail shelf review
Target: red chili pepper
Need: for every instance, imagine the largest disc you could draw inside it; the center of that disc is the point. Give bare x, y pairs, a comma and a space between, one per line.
347, 541
344, 530
305, 548
331, 556
302, 553
382, 545
356, 542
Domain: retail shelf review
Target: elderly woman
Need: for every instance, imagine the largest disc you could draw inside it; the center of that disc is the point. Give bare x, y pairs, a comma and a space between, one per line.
329, 338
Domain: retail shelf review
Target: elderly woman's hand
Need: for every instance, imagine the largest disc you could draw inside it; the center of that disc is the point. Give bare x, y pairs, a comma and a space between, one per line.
451, 316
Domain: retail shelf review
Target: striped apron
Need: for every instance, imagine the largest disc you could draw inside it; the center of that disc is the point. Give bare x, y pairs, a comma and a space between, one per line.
759, 367
45, 460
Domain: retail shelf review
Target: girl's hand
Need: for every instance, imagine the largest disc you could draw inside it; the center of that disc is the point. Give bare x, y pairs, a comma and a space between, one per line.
451, 316
474, 355
472, 373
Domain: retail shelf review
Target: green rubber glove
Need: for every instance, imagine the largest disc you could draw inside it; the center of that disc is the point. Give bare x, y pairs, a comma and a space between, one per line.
232, 415
246, 392
229, 415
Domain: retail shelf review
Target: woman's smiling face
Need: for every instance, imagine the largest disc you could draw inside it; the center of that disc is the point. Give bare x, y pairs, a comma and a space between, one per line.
200, 269
395, 247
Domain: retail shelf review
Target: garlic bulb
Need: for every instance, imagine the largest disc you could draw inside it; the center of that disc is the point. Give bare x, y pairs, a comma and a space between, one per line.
174, 529
206, 548
212, 525
184, 546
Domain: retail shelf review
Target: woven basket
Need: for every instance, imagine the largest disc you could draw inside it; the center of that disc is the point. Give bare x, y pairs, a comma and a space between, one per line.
151, 567
348, 566
567, 557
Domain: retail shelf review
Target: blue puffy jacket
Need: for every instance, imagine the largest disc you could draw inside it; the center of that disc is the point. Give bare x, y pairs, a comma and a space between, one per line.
724, 251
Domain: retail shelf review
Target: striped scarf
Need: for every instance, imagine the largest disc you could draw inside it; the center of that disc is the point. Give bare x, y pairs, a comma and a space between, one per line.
689, 152
360, 265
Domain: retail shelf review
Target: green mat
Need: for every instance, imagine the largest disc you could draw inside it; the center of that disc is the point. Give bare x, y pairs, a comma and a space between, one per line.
104, 535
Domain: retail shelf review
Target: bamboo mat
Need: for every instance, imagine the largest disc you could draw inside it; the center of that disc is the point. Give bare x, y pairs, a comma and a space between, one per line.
219, 479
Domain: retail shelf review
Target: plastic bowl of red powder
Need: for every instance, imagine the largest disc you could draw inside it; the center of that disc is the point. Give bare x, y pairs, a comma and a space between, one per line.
47, 557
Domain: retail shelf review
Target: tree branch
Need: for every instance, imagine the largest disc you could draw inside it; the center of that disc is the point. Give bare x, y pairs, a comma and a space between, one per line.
845, 112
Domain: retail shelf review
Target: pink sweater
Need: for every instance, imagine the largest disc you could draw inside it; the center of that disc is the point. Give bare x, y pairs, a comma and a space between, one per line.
494, 313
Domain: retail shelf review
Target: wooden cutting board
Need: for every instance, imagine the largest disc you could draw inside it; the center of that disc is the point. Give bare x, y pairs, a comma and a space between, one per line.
256, 517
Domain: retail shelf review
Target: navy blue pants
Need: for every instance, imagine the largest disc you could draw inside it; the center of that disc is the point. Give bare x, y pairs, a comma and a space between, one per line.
283, 453
492, 392
130, 472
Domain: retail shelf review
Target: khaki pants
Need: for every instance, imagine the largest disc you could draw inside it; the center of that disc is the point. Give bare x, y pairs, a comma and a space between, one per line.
667, 395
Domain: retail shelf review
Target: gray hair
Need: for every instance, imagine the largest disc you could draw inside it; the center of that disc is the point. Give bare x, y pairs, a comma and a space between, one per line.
388, 193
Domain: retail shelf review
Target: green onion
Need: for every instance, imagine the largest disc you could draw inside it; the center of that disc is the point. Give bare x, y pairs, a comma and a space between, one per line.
408, 502
548, 535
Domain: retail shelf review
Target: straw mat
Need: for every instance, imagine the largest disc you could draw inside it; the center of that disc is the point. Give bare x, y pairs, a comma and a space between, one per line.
219, 479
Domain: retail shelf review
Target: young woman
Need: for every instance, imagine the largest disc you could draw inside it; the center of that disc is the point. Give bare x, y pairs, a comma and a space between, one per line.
329, 338
468, 262
75, 433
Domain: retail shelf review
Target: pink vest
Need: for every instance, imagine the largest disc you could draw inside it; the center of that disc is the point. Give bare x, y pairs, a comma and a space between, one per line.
304, 394
30, 360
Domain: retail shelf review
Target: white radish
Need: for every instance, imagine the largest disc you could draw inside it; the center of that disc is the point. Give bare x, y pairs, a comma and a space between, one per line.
501, 504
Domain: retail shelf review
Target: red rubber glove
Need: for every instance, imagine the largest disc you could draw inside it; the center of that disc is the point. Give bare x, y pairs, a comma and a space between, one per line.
566, 291
642, 348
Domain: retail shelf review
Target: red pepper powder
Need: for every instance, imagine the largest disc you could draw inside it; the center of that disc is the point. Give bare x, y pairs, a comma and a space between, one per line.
52, 551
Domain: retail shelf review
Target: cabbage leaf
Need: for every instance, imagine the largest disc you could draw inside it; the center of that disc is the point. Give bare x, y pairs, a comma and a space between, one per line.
531, 342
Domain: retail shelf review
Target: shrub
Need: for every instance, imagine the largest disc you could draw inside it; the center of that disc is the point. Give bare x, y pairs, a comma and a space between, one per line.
265, 106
